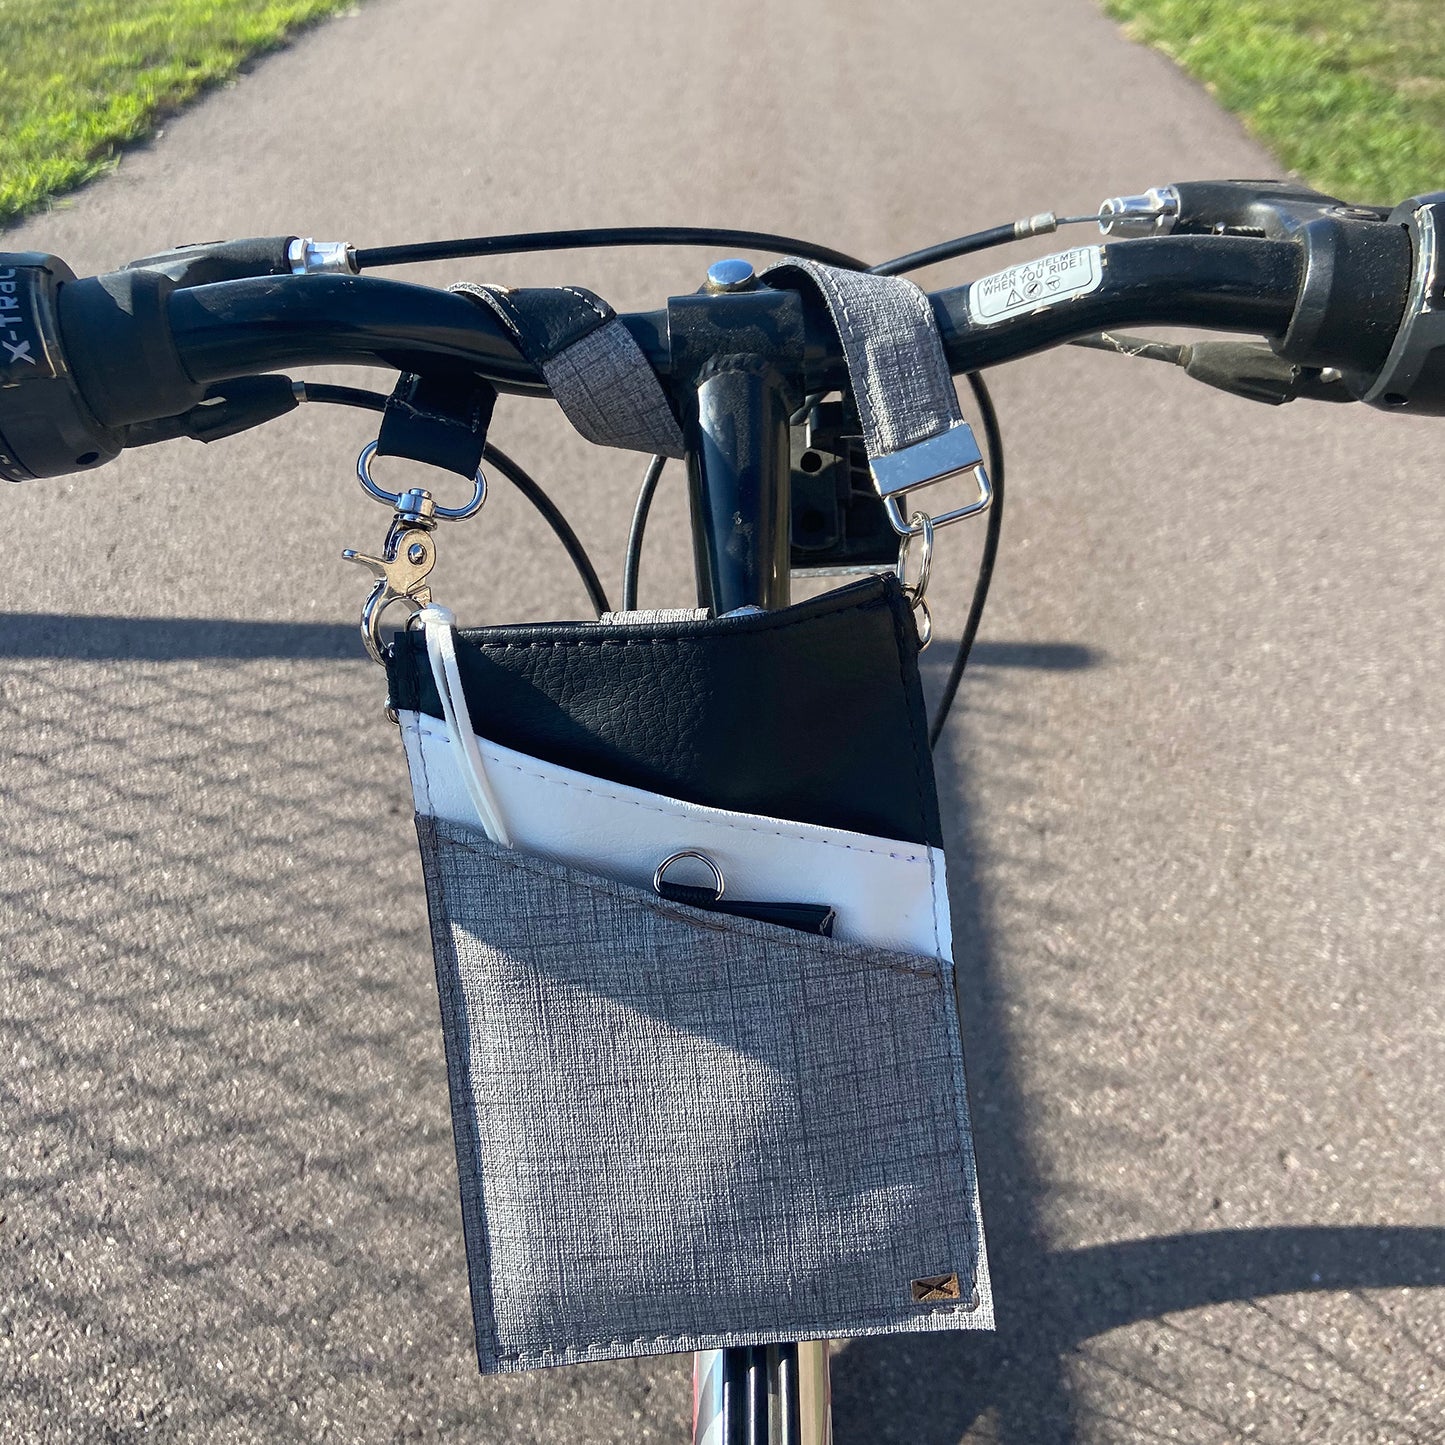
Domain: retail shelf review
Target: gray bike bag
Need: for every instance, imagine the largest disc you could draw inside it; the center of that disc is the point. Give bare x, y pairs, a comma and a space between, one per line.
681, 1127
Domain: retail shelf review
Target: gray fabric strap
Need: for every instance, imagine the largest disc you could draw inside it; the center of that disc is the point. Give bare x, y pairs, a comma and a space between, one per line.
913, 429
611, 395
589, 359
899, 375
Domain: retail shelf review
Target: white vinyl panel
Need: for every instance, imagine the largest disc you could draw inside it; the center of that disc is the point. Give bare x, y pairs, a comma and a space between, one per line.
888, 893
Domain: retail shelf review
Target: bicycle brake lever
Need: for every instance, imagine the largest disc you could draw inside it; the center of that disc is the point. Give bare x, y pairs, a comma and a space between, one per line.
1259, 374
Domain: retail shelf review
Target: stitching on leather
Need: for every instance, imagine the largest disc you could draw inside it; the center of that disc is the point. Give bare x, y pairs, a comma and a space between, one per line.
682, 813
684, 1343
426, 777
933, 905
587, 301
866, 399
681, 641
918, 774
958, 1085
495, 301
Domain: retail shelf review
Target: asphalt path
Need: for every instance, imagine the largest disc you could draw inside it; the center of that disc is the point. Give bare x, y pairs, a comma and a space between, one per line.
1193, 791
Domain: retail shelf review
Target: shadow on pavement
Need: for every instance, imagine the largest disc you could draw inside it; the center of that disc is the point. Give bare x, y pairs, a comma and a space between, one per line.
1014, 1386
170, 639
930, 1389
230, 1101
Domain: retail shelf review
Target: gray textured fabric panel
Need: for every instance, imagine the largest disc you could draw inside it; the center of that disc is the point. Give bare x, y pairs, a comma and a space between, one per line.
899, 373
677, 1130
611, 395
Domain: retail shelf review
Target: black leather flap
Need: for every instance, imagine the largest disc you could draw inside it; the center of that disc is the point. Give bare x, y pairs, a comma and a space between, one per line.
814, 713
545, 320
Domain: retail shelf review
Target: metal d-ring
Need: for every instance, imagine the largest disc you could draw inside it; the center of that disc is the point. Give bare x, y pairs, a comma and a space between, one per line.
689, 853
397, 499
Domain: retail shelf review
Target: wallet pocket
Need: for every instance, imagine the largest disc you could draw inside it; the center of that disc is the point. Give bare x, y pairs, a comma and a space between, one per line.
680, 1130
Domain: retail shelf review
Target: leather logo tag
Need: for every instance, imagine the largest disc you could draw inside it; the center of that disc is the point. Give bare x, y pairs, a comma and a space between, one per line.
935, 1289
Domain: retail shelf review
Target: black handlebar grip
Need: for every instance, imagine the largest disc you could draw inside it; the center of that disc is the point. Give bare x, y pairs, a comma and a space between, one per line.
118, 340
47, 429
83, 361
1274, 209
1412, 377
1352, 298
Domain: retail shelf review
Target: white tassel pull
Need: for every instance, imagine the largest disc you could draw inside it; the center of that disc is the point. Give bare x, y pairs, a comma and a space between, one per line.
441, 648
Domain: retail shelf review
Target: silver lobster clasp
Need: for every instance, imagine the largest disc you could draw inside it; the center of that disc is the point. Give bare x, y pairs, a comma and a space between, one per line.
401, 574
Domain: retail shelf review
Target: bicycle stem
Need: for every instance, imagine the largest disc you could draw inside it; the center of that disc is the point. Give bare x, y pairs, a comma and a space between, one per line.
738, 372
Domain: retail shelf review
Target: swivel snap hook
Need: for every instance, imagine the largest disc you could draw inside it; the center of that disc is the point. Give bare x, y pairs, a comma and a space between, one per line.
409, 552
401, 574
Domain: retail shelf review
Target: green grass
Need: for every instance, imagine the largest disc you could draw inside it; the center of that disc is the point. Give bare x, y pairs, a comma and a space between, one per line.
1349, 93
78, 78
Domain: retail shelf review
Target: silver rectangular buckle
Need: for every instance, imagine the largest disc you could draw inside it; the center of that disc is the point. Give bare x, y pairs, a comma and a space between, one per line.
935, 459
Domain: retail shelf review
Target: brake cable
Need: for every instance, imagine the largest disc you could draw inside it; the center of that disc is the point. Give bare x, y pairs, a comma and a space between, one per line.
601, 238
610, 237
633, 560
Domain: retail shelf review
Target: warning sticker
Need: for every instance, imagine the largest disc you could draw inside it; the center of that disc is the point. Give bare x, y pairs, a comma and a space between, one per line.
1035, 284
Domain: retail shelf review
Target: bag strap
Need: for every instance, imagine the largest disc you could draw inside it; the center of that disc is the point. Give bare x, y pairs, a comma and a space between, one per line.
440, 419
913, 430
595, 368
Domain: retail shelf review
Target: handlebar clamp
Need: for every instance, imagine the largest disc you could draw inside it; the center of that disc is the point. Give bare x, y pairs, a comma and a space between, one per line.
1413, 376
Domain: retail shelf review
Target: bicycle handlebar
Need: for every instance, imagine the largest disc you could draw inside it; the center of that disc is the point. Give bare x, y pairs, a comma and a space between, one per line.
235, 328
88, 358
